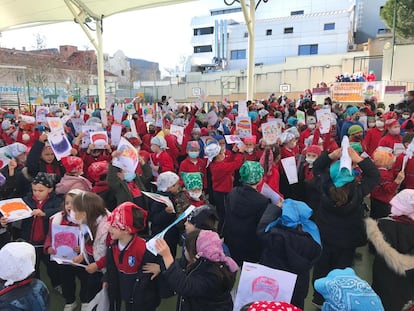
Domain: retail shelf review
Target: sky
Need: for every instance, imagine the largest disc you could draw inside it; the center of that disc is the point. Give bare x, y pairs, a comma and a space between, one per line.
161, 34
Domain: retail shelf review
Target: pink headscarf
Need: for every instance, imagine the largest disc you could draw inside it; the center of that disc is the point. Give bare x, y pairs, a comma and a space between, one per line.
402, 204
210, 246
272, 306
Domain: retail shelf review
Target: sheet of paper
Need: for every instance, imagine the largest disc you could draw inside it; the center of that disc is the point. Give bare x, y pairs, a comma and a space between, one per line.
301, 117
87, 129
177, 131
346, 161
258, 282
291, 171
232, 139
398, 149
15, 209
244, 127
133, 128
62, 261
128, 160
116, 131
148, 113
41, 113
242, 109
99, 139
64, 240
212, 118
271, 131
151, 243
55, 124
59, 143
118, 113
77, 125
270, 194
104, 118
324, 118
159, 198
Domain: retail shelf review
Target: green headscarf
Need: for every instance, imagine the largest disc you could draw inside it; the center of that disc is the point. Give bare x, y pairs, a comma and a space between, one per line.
192, 181
251, 172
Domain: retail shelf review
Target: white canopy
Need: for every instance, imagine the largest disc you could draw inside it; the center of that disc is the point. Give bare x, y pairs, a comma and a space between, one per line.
25, 13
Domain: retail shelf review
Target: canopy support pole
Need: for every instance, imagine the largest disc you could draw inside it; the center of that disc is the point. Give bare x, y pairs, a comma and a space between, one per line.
249, 14
80, 12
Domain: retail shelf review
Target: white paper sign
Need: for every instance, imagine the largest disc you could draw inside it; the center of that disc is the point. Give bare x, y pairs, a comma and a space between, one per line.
108, 102
177, 131
244, 127
133, 128
87, 129
55, 124
151, 243
324, 117
77, 124
104, 118
72, 108
130, 108
118, 113
270, 194
99, 139
291, 171
346, 161
148, 113
5, 156
398, 149
41, 113
116, 131
258, 282
15, 209
128, 160
212, 118
242, 109
59, 143
232, 139
64, 240
271, 131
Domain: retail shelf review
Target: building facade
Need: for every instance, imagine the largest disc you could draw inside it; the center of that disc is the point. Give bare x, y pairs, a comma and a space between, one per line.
283, 29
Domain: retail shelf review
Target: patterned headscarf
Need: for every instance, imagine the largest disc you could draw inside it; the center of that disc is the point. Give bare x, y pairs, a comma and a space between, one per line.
122, 218
192, 181
343, 290
97, 169
73, 164
45, 179
251, 172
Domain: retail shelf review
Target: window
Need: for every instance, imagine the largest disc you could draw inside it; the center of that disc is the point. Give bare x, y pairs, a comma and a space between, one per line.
225, 11
308, 49
329, 26
203, 31
301, 12
288, 30
203, 49
246, 34
238, 54
122, 72
268, 32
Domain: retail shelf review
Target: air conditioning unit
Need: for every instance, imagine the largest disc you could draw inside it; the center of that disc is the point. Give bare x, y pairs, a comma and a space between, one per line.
352, 47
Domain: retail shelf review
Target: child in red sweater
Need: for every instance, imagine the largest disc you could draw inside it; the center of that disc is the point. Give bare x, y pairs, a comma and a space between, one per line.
222, 174
193, 163
388, 185
373, 136
160, 160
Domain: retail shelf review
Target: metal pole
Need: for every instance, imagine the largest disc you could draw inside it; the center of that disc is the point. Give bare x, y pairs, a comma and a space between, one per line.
100, 63
394, 21
28, 91
250, 19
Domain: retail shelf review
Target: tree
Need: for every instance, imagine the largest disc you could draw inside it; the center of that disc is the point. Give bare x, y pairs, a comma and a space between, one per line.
40, 42
404, 22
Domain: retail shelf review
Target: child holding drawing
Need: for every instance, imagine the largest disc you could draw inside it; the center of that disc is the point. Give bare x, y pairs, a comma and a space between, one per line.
88, 210
67, 272
44, 203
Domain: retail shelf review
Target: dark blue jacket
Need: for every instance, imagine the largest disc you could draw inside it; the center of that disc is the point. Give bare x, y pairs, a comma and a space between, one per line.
30, 297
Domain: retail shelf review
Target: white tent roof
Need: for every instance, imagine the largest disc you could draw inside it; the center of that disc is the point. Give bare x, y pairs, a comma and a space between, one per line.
20, 13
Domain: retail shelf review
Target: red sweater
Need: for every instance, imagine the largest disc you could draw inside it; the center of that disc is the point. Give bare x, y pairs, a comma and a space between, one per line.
285, 152
389, 141
164, 161
222, 173
408, 181
372, 139
187, 166
272, 179
386, 188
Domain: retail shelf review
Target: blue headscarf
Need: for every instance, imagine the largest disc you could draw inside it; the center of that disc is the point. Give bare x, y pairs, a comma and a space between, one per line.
340, 177
343, 290
253, 115
296, 213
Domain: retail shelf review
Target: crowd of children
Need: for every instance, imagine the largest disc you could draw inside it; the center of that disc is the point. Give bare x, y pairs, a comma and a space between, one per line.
247, 209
